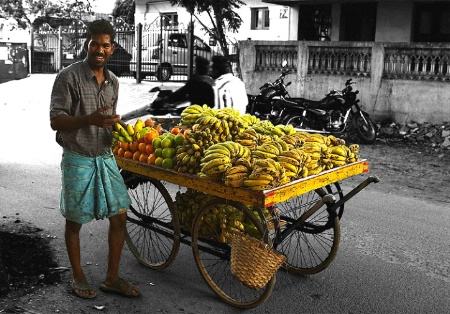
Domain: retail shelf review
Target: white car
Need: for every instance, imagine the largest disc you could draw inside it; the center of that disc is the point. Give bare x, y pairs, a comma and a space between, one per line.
169, 56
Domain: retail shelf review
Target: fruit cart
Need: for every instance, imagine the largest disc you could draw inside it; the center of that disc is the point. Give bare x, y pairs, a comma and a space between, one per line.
303, 225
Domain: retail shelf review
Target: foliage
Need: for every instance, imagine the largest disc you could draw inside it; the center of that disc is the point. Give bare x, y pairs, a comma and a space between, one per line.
125, 10
24, 12
224, 17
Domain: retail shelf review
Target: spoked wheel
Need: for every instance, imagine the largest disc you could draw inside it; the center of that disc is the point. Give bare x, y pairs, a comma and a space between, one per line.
153, 228
312, 246
212, 253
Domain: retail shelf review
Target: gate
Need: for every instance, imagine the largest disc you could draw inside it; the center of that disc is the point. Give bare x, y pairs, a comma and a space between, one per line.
54, 49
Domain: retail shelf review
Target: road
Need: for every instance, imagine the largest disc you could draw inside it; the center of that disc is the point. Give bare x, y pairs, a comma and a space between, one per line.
394, 255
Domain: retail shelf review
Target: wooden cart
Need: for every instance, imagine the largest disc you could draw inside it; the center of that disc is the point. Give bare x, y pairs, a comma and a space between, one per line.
304, 224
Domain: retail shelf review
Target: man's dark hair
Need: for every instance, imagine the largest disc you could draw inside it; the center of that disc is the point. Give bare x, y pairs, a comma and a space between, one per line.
221, 65
201, 65
100, 27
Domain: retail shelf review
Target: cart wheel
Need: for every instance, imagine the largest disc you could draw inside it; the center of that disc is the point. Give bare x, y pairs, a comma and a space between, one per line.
153, 228
212, 256
311, 247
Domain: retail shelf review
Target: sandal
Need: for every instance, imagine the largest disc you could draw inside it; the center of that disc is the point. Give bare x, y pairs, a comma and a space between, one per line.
78, 287
121, 287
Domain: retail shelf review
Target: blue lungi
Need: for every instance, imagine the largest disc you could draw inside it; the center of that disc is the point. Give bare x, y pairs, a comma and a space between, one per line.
92, 187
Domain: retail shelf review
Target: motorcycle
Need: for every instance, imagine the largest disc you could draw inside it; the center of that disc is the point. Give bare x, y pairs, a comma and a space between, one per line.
337, 113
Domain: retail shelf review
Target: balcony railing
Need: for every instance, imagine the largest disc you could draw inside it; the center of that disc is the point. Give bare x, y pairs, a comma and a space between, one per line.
398, 60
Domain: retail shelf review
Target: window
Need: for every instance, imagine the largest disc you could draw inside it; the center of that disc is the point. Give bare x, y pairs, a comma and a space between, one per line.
314, 22
260, 18
431, 22
358, 21
169, 20
177, 40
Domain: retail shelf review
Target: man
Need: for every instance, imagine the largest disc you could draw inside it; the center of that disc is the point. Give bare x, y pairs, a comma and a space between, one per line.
198, 90
229, 90
83, 111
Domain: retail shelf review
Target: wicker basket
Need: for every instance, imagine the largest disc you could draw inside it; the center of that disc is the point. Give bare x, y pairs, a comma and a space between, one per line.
252, 262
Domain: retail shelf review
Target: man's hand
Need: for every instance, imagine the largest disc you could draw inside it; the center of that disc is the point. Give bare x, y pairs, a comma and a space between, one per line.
101, 119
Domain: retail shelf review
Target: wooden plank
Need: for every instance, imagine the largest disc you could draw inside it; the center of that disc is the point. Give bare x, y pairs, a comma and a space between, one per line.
257, 198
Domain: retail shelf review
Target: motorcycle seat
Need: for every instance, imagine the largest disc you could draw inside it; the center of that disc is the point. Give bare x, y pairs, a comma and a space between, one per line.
308, 103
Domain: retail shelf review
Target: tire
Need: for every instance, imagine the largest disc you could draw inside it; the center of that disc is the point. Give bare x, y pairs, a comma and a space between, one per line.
212, 257
364, 127
297, 122
164, 73
312, 246
153, 228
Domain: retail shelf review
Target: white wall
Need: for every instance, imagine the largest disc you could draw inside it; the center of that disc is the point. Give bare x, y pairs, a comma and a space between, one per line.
279, 26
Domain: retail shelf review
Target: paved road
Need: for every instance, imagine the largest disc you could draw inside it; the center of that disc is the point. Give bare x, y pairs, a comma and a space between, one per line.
394, 255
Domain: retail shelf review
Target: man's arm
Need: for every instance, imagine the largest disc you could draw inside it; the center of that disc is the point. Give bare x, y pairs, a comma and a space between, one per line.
65, 122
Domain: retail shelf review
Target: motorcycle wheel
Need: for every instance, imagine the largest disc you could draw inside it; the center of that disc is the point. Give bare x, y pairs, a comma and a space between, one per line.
364, 127
297, 122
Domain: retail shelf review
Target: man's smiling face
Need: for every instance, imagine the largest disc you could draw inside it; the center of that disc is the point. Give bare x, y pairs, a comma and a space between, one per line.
99, 49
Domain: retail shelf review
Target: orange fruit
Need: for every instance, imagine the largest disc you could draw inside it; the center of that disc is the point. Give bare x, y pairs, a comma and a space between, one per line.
134, 146
125, 145
149, 122
141, 147
121, 152
158, 161
115, 149
128, 154
149, 149
151, 159
143, 157
141, 140
175, 130
136, 155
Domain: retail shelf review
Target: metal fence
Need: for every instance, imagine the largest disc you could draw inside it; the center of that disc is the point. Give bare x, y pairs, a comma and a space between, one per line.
165, 53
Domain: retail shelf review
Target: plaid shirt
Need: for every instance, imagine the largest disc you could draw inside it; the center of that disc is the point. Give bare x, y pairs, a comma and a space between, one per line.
76, 93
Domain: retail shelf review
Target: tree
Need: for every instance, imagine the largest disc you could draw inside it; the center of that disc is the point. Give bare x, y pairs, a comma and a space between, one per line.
224, 17
125, 10
24, 12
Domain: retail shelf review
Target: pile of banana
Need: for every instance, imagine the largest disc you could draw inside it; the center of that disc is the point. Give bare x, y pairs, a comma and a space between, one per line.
267, 128
193, 112
250, 138
270, 149
188, 156
188, 204
219, 157
250, 119
131, 132
293, 162
265, 174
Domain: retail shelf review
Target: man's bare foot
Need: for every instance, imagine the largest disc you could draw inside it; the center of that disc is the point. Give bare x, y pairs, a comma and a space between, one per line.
120, 287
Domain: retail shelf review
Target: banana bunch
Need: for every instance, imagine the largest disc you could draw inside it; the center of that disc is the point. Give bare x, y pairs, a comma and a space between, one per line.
293, 162
236, 175
270, 150
250, 119
281, 130
341, 155
224, 124
230, 220
190, 114
130, 132
265, 174
293, 140
121, 134
188, 156
219, 157
264, 127
188, 204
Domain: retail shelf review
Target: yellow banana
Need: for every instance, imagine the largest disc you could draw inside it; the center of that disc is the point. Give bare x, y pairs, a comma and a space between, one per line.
316, 170
214, 156
303, 173
215, 162
261, 176
221, 168
234, 183
244, 162
237, 169
289, 166
288, 159
262, 154
337, 157
315, 156
235, 176
338, 163
256, 182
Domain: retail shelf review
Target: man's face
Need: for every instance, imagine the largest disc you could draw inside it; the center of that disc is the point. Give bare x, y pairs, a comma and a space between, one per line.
99, 48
